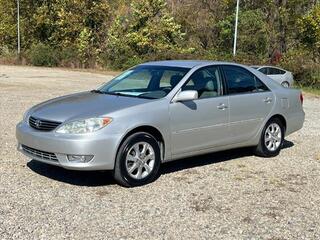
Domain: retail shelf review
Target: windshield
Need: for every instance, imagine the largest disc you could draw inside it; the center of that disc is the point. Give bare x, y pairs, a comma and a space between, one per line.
151, 82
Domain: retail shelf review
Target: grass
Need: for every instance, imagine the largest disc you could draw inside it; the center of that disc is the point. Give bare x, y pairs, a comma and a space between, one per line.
313, 91
309, 90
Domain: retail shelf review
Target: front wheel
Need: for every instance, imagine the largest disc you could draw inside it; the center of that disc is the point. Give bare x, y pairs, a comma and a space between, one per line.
272, 138
138, 160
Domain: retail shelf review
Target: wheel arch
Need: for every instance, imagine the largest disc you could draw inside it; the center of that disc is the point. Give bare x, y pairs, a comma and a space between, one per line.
147, 129
281, 118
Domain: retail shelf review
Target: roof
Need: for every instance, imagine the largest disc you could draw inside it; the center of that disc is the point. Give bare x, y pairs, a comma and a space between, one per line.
184, 63
269, 66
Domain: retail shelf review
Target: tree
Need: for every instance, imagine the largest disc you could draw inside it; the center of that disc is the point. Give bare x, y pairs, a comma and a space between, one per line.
198, 19
8, 25
148, 29
309, 30
252, 33
86, 33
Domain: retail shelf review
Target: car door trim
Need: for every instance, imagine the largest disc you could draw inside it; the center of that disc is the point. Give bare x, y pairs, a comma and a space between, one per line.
200, 128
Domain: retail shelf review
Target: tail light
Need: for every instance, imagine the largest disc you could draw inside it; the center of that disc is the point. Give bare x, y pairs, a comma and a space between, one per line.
301, 98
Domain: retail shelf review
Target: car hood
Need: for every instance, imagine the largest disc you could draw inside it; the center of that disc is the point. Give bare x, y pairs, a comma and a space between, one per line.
83, 105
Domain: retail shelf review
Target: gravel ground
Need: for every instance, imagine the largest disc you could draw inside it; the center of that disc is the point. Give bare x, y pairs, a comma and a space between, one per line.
228, 195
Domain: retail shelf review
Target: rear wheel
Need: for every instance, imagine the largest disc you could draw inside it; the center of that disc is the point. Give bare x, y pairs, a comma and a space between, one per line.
138, 160
272, 138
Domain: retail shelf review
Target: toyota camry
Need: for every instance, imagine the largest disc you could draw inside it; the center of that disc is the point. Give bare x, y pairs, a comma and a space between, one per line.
158, 112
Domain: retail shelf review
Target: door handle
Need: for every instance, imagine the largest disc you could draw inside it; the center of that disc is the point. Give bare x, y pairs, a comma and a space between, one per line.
267, 100
222, 106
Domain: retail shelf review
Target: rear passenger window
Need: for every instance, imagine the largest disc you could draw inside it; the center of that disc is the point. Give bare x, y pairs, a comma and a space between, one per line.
281, 71
239, 80
276, 71
264, 70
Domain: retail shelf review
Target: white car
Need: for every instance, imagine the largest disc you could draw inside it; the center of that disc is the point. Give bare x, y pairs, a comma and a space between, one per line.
284, 77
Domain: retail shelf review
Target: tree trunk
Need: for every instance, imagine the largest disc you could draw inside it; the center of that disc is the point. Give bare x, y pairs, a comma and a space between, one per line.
282, 26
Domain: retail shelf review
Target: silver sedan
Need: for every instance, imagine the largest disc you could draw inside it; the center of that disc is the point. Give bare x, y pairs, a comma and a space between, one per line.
158, 112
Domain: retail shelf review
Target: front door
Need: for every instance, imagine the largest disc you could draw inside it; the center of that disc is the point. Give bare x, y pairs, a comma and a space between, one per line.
203, 123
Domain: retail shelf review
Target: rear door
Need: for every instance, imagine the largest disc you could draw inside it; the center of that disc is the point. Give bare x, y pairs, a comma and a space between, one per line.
250, 102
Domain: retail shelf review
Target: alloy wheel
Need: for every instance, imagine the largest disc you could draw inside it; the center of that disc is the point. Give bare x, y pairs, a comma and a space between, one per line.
140, 160
273, 137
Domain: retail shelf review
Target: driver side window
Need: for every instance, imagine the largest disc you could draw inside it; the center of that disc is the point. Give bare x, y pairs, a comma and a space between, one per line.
206, 81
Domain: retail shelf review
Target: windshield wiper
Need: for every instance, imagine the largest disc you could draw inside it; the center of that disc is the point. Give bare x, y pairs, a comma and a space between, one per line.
110, 93
145, 97
129, 95
121, 94
118, 94
97, 91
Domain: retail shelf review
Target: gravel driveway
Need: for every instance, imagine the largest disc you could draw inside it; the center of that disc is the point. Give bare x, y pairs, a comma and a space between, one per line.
228, 195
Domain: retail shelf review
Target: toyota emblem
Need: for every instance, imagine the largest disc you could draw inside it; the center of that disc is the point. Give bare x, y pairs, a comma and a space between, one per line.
38, 123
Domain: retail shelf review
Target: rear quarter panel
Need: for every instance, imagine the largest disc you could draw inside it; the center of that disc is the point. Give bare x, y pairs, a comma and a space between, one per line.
287, 104
290, 107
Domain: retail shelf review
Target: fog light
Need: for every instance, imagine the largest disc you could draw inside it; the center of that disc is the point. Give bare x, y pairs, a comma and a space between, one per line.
80, 158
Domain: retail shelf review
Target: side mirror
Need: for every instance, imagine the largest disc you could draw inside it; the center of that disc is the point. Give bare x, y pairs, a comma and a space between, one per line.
187, 95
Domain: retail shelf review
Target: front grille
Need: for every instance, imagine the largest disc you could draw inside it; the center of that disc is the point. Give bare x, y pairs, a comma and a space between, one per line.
43, 125
40, 154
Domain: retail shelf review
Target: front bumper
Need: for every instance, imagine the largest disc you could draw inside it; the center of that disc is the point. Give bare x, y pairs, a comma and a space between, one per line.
102, 146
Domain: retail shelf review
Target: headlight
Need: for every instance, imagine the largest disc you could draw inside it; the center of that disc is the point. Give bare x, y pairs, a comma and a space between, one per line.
84, 126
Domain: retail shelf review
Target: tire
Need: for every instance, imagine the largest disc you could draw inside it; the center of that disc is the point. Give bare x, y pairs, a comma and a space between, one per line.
272, 147
138, 160
285, 84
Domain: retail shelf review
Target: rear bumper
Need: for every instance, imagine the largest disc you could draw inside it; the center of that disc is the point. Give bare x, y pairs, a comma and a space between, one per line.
295, 122
102, 147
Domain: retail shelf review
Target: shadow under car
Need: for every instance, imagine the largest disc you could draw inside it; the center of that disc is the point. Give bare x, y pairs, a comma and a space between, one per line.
101, 178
